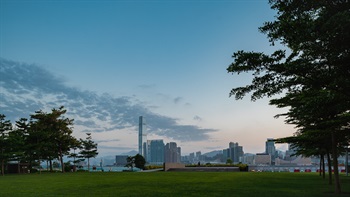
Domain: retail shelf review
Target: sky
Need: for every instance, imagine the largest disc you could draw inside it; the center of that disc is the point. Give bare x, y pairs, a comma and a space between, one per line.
169, 55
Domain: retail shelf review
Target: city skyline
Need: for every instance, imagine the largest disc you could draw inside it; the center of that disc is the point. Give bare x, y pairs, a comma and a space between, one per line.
109, 62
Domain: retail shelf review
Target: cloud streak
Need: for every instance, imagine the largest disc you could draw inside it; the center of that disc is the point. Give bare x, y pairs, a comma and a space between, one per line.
28, 87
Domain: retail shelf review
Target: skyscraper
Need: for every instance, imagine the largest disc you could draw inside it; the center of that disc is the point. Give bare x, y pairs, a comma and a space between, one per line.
270, 148
235, 152
156, 151
140, 134
172, 153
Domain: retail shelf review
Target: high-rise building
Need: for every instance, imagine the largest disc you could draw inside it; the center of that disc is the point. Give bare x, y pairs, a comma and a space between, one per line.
290, 153
142, 135
198, 155
191, 157
270, 148
156, 150
172, 153
235, 152
146, 150
225, 154
179, 154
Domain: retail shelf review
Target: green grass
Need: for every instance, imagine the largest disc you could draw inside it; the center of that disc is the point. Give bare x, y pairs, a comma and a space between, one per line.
170, 184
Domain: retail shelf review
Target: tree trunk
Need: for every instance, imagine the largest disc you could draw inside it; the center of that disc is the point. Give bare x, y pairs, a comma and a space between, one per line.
51, 168
60, 155
61, 160
320, 168
337, 188
39, 165
2, 167
323, 168
88, 164
30, 164
329, 162
62, 164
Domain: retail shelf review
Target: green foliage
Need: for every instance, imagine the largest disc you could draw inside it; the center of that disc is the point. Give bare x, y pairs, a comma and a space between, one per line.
140, 161
314, 74
229, 161
67, 167
46, 136
51, 135
137, 161
88, 148
242, 167
5, 142
152, 167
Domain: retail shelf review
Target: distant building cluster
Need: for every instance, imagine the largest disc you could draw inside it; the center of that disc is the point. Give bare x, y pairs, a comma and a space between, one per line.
233, 153
157, 153
154, 151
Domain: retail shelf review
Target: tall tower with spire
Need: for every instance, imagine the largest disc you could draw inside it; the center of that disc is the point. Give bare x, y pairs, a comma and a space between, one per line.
140, 134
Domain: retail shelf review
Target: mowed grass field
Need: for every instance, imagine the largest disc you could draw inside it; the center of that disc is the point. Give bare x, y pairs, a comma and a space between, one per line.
170, 184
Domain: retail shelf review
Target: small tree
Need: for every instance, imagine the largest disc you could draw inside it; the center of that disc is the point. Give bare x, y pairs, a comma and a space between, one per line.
53, 134
138, 161
76, 144
89, 149
130, 162
5, 127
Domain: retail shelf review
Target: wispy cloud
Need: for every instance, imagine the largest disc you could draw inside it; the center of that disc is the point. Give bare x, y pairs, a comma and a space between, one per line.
28, 87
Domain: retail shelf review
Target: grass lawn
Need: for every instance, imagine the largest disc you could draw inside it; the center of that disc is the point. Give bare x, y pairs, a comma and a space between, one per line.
169, 184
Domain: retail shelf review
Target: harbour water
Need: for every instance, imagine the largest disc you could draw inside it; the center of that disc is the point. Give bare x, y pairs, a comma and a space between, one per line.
109, 169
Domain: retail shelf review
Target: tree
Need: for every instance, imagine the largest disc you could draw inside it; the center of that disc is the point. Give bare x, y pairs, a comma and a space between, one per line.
16, 140
311, 143
76, 144
318, 115
89, 148
137, 161
140, 162
317, 65
53, 135
130, 162
5, 127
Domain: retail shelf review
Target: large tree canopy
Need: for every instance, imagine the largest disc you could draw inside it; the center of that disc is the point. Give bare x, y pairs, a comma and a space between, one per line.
45, 137
54, 132
312, 70
317, 35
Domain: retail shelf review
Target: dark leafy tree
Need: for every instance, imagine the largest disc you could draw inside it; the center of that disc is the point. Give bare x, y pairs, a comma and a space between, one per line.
316, 67
311, 143
321, 111
130, 162
88, 149
140, 162
137, 161
5, 128
53, 133
39, 145
16, 140
76, 144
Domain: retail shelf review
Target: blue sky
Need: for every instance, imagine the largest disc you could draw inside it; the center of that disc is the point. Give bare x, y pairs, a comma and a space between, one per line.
169, 55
